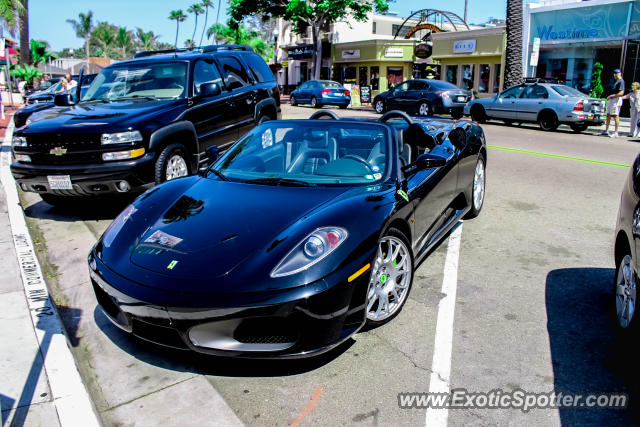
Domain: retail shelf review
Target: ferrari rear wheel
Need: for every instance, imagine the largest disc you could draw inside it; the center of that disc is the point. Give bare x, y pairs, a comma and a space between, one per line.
391, 278
625, 292
479, 187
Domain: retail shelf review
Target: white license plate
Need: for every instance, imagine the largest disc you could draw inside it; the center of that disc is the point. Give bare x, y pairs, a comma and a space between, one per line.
462, 98
59, 182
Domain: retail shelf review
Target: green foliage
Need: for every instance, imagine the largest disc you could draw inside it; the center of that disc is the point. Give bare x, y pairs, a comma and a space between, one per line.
9, 11
26, 72
239, 34
596, 81
83, 26
178, 16
39, 52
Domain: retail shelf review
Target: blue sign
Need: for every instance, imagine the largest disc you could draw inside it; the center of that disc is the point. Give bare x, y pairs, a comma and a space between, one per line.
601, 22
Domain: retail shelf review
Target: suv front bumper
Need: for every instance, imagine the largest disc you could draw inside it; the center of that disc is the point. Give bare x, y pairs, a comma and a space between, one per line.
88, 179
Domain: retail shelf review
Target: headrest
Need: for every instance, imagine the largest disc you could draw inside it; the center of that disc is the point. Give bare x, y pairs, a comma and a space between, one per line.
417, 136
316, 138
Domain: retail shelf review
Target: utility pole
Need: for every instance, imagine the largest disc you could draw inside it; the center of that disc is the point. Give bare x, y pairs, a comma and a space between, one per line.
466, 4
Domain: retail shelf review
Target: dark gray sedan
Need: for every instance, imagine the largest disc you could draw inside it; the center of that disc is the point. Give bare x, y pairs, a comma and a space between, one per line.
548, 104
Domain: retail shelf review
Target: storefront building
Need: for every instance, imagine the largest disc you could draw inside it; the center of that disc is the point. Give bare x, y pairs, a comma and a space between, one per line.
573, 36
473, 59
375, 63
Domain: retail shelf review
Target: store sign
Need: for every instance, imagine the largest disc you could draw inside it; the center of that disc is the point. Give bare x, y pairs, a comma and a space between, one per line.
365, 94
423, 50
464, 46
304, 51
394, 52
608, 21
351, 54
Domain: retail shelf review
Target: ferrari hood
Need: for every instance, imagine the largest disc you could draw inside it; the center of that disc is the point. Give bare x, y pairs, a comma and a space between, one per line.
215, 225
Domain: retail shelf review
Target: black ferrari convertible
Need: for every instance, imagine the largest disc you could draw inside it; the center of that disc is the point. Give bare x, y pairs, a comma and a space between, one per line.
294, 238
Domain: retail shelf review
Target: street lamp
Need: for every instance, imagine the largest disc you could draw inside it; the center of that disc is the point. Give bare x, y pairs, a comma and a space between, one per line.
275, 45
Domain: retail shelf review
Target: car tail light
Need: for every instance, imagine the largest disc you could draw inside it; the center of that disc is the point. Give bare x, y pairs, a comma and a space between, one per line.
326, 92
579, 106
346, 92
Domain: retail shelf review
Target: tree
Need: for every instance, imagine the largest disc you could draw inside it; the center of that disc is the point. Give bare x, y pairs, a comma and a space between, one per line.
303, 14
123, 40
26, 72
104, 36
196, 9
146, 40
9, 12
513, 51
206, 4
178, 16
596, 81
83, 28
25, 48
39, 52
241, 35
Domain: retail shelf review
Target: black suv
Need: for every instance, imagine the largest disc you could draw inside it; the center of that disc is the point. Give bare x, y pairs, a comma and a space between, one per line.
144, 121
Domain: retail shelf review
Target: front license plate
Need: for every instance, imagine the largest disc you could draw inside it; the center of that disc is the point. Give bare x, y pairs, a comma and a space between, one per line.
596, 117
462, 98
59, 182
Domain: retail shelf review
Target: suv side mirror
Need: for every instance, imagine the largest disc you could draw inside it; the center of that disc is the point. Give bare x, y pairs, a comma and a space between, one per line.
209, 89
62, 100
423, 162
213, 152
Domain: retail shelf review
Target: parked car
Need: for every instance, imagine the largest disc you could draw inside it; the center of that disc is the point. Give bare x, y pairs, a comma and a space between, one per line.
548, 104
626, 250
424, 97
43, 100
321, 92
347, 209
44, 85
144, 121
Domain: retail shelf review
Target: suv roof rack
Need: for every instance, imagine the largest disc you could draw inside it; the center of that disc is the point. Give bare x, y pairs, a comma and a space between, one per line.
203, 49
219, 47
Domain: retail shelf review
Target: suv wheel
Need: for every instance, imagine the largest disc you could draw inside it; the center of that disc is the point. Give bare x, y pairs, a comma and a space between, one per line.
172, 163
263, 119
292, 100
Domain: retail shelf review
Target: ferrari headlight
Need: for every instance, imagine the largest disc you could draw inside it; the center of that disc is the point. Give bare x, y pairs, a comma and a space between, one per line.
311, 250
121, 137
19, 141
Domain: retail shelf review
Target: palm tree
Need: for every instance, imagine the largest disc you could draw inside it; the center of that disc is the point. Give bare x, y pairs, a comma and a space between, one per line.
215, 37
196, 9
83, 28
9, 11
178, 16
104, 35
147, 40
513, 51
123, 39
188, 43
206, 4
242, 35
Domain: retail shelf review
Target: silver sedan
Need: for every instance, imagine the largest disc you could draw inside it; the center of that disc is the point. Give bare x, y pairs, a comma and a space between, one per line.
548, 104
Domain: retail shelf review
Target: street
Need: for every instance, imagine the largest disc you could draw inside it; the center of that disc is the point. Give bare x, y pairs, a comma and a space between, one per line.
534, 309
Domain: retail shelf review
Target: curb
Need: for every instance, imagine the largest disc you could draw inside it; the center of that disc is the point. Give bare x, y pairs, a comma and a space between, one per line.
71, 399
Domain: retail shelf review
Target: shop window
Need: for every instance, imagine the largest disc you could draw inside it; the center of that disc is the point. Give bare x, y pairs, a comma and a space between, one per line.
403, 32
394, 76
496, 78
467, 76
362, 76
375, 78
304, 72
451, 74
349, 75
483, 83
336, 74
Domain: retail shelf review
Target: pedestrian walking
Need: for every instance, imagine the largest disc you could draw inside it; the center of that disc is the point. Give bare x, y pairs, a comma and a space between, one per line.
614, 102
634, 103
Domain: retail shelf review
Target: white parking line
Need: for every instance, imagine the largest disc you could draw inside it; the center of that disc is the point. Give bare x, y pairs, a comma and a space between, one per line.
69, 394
441, 365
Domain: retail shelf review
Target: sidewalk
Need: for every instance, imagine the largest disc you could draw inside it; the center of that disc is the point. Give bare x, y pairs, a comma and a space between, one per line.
39, 381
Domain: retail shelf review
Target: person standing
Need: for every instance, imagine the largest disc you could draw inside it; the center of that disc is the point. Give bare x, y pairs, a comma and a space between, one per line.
71, 84
634, 103
614, 102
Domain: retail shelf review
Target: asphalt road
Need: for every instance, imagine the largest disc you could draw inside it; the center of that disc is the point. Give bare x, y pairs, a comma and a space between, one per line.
533, 310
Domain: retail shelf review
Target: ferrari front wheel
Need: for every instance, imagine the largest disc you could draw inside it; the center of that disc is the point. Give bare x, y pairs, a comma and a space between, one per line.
391, 278
479, 188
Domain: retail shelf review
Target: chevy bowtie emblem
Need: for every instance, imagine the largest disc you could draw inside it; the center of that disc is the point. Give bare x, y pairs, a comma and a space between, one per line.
58, 151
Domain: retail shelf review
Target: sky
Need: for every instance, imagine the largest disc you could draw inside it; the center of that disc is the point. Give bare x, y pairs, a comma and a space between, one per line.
47, 19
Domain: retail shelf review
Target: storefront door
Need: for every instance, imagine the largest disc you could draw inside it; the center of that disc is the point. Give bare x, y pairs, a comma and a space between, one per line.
632, 63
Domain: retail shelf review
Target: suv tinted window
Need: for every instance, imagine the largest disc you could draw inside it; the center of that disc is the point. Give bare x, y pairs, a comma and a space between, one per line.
204, 72
259, 68
234, 74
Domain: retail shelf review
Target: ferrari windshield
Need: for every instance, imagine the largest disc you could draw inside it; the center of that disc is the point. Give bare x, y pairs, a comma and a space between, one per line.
156, 80
308, 152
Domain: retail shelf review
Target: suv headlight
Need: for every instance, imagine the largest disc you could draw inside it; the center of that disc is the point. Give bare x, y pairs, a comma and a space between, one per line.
19, 141
129, 137
311, 250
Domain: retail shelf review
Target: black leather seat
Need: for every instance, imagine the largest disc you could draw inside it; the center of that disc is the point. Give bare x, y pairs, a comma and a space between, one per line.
316, 149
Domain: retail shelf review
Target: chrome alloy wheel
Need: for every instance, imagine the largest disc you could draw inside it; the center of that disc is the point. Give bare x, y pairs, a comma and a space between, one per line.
625, 292
424, 109
379, 107
478, 185
176, 167
390, 279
